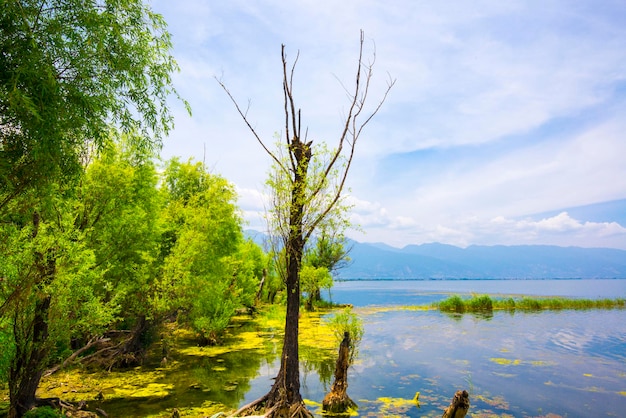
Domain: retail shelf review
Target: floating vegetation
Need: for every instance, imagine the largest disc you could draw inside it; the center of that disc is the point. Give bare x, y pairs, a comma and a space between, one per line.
496, 401
391, 407
506, 361
516, 362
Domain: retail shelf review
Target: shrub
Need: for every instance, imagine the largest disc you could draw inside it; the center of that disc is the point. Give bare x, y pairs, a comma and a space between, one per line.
347, 321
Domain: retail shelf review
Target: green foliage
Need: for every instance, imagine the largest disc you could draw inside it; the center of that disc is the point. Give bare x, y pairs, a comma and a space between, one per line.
118, 208
480, 304
452, 304
347, 321
43, 412
312, 279
208, 270
72, 74
248, 266
319, 195
70, 71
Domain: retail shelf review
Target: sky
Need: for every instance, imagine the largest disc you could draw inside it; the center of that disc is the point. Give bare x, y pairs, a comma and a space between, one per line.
506, 124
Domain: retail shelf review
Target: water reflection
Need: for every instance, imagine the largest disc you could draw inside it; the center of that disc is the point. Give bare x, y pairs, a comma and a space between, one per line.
522, 364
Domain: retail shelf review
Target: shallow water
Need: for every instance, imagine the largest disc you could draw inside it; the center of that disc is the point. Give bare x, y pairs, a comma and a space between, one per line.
565, 363
421, 292
569, 363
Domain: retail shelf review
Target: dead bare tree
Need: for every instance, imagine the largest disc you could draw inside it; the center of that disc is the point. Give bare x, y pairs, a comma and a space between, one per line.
308, 204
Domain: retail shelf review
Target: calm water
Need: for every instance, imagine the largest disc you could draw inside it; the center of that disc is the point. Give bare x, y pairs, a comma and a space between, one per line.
545, 364
569, 363
424, 292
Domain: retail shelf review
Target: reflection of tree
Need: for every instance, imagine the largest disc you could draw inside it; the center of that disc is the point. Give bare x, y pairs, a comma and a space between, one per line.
457, 317
226, 378
314, 359
487, 315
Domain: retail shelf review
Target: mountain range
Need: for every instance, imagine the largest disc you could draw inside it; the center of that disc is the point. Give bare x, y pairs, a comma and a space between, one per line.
441, 261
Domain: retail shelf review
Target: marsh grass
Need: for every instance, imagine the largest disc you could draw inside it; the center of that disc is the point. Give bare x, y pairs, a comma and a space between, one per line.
484, 303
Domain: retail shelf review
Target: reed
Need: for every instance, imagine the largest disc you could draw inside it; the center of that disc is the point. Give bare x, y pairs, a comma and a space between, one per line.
485, 303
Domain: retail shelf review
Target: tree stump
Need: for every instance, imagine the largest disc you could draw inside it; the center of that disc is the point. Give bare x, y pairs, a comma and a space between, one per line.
337, 400
459, 406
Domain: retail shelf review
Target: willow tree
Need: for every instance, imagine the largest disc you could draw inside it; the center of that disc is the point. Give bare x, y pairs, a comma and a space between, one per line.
309, 201
71, 72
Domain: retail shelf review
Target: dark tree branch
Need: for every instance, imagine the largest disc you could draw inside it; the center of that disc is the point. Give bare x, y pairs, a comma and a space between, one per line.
245, 119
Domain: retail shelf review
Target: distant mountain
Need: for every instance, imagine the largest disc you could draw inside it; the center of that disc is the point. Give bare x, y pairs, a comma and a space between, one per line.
441, 261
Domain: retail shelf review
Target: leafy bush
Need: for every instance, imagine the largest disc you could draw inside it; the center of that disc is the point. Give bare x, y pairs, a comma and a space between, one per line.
347, 321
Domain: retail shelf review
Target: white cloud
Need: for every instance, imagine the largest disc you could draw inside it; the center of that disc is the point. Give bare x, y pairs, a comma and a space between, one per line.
523, 101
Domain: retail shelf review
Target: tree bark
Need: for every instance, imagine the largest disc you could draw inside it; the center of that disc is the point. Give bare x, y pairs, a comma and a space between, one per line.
459, 406
285, 393
337, 400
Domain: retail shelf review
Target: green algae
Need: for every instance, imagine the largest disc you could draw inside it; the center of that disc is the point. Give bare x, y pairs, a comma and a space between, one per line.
516, 362
393, 407
197, 380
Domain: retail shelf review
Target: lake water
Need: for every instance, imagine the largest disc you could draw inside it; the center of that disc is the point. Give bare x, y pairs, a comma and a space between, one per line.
543, 364
556, 364
424, 292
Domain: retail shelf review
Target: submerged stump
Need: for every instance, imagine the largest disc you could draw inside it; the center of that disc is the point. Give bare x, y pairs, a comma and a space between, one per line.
337, 400
459, 406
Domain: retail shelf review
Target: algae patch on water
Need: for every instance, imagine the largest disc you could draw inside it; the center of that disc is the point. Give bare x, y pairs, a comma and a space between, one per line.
197, 380
516, 362
392, 407
505, 361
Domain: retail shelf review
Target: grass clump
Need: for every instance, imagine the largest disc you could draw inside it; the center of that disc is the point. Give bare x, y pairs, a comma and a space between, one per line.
481, 304
456, 304
452, 304
555, 304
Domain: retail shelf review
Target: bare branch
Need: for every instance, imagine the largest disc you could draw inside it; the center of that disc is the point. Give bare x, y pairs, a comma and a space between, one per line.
245, 119
352, 125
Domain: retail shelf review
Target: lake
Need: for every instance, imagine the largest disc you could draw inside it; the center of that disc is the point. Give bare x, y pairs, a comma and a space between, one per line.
564, 363
543, 364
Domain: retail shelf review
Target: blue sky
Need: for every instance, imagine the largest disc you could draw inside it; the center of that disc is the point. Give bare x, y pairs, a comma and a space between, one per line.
507, 124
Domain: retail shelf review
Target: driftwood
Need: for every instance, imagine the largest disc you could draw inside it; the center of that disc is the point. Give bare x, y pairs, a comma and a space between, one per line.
75, 354
337, 400
459, 406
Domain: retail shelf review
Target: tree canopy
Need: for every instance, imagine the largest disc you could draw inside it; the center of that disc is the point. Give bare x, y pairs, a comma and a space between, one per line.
71, 71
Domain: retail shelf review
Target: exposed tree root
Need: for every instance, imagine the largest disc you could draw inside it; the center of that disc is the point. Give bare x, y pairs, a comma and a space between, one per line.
279, 409
69, 409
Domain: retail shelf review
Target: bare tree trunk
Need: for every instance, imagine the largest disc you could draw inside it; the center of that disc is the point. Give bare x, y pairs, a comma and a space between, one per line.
459, 406
284, 398
285, 393
337, 400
